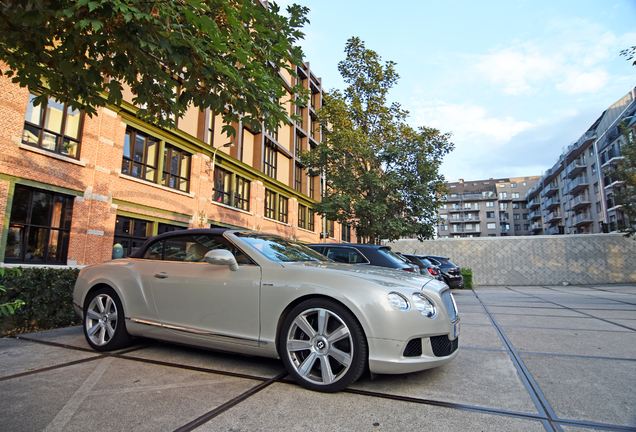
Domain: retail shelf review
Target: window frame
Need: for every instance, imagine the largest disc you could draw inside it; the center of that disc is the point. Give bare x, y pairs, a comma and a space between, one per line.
168, 153
270, 159
129, 160
61, 136
283, 208
222, 189
270, 207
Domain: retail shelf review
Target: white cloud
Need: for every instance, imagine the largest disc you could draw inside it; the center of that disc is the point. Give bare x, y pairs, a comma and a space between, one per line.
586, 82
468, 122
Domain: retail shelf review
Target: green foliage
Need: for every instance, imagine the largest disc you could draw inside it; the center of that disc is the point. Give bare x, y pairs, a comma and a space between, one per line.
9, 308
221, 54
47, 296
625, 171
468, 278
382, 174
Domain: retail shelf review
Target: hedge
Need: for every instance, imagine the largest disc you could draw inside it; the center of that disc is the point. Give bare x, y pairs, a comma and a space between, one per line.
48, 296
468, 278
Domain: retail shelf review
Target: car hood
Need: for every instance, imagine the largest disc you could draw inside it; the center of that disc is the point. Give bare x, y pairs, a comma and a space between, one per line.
387, 277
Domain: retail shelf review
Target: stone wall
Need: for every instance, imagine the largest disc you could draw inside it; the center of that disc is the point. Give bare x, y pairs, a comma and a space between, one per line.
536, 260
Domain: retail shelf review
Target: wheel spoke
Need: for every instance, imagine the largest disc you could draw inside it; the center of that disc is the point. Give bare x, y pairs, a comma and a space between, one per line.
327, 373
302, 323
307, 365
323, 317
102, 336
109, 304
340, 333
110, 330
298, 345
340, 356
91, 314
98, 302
93, 330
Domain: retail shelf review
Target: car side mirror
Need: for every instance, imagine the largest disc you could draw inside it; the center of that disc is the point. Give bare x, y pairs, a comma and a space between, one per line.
221, 257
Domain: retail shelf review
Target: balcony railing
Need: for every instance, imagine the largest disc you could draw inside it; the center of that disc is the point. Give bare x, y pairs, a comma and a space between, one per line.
580, 201
611, 156
552, 217
535, 215
575, 168
552, 203
554, 230
550, 190
535, 227
578, 184
534, 202
582, 219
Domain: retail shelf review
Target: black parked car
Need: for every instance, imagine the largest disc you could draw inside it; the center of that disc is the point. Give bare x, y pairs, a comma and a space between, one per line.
376, 255
426, 266
450, 272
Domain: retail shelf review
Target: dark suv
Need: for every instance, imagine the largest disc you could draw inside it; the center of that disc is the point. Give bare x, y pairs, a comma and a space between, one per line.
450, 272
376, 255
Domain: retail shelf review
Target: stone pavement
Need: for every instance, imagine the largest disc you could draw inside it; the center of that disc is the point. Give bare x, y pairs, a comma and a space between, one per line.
532, 358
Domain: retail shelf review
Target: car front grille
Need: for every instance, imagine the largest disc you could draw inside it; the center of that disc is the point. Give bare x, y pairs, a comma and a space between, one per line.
442, 346
413, 348
450, 305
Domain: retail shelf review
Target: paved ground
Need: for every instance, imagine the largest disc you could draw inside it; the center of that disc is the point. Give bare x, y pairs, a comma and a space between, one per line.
531, 359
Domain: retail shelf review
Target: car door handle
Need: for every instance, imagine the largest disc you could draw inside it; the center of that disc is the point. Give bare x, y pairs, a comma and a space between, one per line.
161, 275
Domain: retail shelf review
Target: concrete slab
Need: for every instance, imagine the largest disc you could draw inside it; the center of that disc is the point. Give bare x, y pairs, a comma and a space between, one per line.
475, 377
71, 336
226, 362
480, 336
113, 394
575, 323
18, 356
565, 381
533, 311
474, 318
573, 342
291, 408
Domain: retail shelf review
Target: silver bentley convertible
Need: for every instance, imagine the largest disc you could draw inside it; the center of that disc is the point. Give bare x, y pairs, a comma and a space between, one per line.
261, 294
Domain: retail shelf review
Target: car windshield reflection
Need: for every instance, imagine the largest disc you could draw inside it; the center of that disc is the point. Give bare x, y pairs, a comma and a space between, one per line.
279, 249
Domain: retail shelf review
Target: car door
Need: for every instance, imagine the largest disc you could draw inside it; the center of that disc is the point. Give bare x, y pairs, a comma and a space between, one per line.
201, 300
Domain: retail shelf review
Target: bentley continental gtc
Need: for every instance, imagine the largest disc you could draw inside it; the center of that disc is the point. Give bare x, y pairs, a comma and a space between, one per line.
259, 294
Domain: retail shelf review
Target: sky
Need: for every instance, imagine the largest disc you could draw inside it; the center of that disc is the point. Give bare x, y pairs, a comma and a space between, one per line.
515, 82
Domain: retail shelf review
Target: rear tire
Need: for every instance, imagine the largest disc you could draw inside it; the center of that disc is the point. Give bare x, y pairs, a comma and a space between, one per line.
104, 326
323, 346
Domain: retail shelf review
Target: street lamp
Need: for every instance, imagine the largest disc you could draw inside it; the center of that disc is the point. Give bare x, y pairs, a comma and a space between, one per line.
230, 144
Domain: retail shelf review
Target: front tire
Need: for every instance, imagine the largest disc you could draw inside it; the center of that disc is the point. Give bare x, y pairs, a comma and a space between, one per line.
104, 326
323, 346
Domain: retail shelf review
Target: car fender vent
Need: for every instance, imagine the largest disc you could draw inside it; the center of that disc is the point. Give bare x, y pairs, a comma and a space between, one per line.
442, 346
413, 348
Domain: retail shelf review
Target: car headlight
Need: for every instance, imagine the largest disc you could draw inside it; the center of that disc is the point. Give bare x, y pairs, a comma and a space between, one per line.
424, 305
398, 301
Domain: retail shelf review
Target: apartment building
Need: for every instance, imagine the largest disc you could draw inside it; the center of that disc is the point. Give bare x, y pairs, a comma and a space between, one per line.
72, 186
576, 195
486, 208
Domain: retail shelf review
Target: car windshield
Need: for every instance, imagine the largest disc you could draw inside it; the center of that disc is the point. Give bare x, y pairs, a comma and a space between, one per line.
393, 256
280, 249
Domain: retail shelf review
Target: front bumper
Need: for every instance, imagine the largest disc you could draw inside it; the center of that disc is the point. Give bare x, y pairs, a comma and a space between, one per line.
387, 356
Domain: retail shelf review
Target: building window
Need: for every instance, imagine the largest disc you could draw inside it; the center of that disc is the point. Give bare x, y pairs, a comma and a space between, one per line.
310, 219
515, 205
491, 225
330, 228
270, 204
164, 228
211, 130
39, 227
596, 187
131, 233
298, 144
242, 194
490, 203
513, 185
140, 155
515, 195
298, 178
467, 205
526, 227
502, 185
346, 233
443, 207
222, 186
503, 206
516, 216
503, 195
524, 205
490, 215
302, 216
176, 169
598, 207
53, 126
443, 227
270, 160
282, 209
311, 188
593, 168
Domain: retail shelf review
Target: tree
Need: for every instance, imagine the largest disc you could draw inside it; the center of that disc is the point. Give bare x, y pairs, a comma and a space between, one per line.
221, 54
626, 172
381, 174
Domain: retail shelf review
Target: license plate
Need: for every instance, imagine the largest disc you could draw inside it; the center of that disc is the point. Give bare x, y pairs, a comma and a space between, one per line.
456, 331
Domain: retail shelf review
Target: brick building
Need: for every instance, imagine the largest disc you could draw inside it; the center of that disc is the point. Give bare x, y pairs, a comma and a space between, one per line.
72, 186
